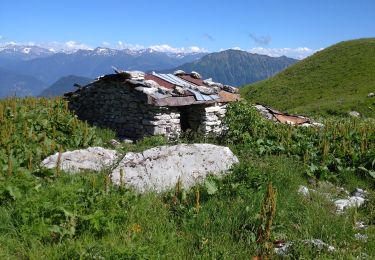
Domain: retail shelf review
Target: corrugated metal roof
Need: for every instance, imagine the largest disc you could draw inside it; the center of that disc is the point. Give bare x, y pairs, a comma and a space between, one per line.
173, 79
180, 82
190, 94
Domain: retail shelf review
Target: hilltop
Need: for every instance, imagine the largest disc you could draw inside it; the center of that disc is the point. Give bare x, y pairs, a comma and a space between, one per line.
236, 67
63, 85
332, 81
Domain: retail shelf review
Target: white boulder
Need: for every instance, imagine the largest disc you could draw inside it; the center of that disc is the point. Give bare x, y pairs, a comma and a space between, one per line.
159, 169
92, 158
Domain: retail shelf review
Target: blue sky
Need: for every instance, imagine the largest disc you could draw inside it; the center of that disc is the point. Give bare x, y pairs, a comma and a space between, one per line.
274, 27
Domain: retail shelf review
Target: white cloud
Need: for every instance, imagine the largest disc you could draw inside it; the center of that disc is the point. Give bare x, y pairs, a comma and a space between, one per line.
297, 53
70, 46
168, 48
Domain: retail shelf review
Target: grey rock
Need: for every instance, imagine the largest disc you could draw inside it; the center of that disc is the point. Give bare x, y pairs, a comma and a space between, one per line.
353, 201
179, 72
159, 169
360, 225
303, 190
371, 94
135, 75
360, 193
354, 114
115, 143
151, 83
92, 158
285, 248
196, 75
127, 141
361, 237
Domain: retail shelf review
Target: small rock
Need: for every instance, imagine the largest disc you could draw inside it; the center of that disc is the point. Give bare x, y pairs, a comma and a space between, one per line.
360, 225
371, 94
353, 201
303, 190
361, 237
179, 72
196, 75
284, 249
114, 143
360, 193
356, 201
127, 141
319, 244
354, 114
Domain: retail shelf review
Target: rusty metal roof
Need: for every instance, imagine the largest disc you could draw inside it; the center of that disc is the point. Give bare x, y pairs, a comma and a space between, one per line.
226, 97
160, 81
198, 82
170, 89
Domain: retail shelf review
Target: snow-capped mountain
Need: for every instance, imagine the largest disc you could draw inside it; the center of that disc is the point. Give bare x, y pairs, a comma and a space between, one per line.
48, 65
23, 52
28, 52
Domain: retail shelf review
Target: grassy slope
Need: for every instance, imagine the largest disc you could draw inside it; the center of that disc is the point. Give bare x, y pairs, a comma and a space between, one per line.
73, 217
334, 80
51, 215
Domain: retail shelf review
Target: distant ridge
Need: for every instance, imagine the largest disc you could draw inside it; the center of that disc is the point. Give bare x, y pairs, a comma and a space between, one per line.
63, 85
235, 67
13, 84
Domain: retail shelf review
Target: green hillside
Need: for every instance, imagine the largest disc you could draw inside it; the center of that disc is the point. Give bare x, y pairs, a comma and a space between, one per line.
332, 81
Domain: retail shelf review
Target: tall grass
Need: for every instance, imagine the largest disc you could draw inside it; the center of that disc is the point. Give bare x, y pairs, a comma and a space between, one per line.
32, 128
63, 216
343, 144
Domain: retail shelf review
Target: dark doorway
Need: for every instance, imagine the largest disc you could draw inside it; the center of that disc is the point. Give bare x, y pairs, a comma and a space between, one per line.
184, 118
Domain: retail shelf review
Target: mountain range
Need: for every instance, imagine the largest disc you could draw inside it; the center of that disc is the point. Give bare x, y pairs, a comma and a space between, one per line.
27, 70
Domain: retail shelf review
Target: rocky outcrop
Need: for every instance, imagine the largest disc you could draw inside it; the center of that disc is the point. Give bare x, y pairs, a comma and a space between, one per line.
356, 200
91, 159
159, 169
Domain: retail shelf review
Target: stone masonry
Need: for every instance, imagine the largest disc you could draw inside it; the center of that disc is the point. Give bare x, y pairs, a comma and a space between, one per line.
118, 106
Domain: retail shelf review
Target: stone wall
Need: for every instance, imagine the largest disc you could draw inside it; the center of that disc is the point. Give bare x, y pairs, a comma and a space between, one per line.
118, 106
207, 119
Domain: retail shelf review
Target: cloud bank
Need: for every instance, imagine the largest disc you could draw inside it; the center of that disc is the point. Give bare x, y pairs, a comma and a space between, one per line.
297, 53
72, 46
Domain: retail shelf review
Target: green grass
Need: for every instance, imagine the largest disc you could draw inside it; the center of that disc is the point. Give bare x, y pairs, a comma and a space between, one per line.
73, 217
45, 215
334, 81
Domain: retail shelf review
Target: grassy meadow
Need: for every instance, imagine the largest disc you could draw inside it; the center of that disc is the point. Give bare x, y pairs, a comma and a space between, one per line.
48, 214
333, 81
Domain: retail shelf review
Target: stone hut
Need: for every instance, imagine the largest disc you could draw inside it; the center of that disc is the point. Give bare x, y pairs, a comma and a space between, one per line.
136, 104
